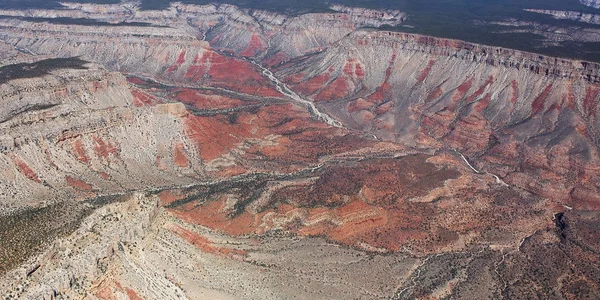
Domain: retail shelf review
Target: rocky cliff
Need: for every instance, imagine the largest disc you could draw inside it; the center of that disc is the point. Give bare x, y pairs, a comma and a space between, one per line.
62, 130
481, 101
592, 3
569, 15
248, 33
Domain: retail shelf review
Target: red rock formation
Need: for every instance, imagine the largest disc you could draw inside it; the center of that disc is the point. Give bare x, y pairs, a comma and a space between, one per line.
79, 150
25, 169
179, 156
205, 244
141, 98
78, 184
492, 106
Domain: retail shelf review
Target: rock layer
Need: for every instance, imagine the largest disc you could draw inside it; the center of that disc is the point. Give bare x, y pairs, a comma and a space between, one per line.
511, 111
592, 3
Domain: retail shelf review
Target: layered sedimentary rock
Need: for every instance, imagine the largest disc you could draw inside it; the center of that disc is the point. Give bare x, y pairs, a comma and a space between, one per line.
80, 131
166, 161
509, 110
569, 15
279, 38
248, 33
592, 3
554, 35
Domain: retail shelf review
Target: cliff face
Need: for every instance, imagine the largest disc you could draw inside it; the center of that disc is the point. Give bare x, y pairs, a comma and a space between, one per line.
79, 131
62, 133
592, 3
510, 111
166, 161
277, 38
569, 15
247, 33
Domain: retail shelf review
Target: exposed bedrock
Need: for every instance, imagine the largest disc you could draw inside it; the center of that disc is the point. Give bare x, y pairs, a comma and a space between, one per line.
569, 15
525, 117
79, 132
275, 38
592, 3
264, 35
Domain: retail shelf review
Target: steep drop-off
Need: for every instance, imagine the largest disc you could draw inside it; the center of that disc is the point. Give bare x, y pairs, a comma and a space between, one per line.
529, 119
592, 3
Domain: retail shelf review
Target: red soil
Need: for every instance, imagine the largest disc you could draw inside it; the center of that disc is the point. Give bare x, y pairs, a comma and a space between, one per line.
384, 108
141, 98
255, 46
240, 76
350, 205
591, 100
425, 72
78, 184
538, 104
481, 89
571, 98
213, 215
515, 92
79, 150
106, 293
359, 104
132, 294
313, 85
26, 170
181, 58
380, 93
461, 91
103, 149
353, 69
204, 243
197, 70
434, 94
169, 196
179, 156
483, 103
339, 88
136, 80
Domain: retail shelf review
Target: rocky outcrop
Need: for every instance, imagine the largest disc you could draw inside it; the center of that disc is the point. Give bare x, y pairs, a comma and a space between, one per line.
71, 129
592, 3
504, 107
569, 15
275, 38
67, 83
250, 33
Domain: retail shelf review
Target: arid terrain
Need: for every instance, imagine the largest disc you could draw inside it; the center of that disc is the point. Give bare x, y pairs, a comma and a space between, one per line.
218, 152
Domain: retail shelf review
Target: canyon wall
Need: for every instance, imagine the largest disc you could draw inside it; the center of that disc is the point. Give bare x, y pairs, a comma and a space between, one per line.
508, 110
592, 3
247, 33
63, 133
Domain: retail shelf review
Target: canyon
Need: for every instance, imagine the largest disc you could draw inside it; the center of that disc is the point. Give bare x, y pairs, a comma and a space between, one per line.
212, 151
